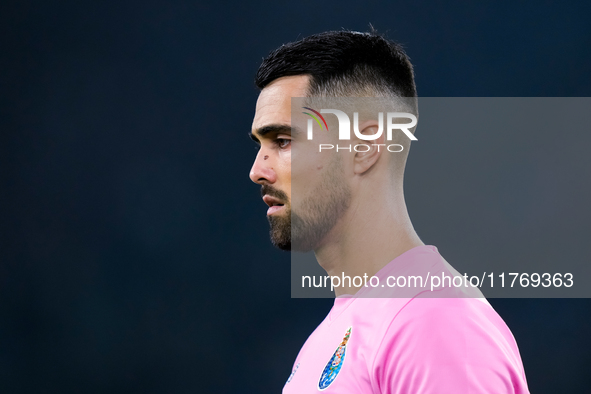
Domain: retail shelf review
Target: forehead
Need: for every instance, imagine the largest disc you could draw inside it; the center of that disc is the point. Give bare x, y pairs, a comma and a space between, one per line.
274, 102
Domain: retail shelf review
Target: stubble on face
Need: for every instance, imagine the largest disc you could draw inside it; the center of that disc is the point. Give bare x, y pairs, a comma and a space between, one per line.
280, 225
304, 228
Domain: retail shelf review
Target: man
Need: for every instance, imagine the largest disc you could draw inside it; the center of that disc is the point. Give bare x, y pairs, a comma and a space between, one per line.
348, 207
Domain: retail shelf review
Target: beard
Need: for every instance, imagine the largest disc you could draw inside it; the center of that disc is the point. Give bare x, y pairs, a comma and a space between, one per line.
317, 213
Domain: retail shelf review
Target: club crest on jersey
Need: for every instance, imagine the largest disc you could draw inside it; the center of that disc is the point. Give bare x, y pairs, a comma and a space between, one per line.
334, 365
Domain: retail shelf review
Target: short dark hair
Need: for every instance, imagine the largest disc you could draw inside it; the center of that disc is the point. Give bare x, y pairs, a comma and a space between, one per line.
342, 63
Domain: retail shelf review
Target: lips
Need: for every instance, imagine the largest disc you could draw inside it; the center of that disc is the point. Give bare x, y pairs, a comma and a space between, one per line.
271, 201
274, 204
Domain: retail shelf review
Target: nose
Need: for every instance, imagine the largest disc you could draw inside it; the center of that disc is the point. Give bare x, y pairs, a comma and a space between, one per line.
262, 171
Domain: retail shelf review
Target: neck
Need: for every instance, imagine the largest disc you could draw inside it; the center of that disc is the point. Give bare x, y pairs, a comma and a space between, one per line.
367, 237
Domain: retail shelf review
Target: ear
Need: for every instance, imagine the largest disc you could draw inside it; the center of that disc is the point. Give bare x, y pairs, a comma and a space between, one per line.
367, 153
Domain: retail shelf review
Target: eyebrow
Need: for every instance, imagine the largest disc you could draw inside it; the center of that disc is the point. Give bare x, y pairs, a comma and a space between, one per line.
273, 128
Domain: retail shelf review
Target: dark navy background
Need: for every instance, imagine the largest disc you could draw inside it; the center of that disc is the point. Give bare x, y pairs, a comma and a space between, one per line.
134, 254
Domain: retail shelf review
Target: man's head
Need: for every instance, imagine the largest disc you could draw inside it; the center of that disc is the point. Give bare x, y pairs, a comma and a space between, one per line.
331, 64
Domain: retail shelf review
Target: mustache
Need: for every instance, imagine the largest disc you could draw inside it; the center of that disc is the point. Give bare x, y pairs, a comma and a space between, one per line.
271, 191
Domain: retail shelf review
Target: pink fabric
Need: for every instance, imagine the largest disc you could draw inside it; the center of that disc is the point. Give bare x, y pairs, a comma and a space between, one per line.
412, 345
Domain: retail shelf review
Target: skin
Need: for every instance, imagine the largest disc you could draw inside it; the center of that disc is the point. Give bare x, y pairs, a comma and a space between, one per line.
375, 228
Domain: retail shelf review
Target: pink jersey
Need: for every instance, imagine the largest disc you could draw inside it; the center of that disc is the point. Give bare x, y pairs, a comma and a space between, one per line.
414, 345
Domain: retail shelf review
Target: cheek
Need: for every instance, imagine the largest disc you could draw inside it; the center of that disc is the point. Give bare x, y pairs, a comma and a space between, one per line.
307, 171
303, 166
283, 168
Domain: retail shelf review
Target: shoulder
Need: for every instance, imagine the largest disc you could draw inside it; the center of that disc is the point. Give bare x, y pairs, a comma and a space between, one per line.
449, 344
463, 327
435, 312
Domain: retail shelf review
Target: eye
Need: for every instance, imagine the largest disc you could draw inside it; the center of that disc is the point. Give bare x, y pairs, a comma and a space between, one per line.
282, 142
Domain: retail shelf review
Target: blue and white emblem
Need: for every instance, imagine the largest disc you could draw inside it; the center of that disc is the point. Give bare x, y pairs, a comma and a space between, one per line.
334, 365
